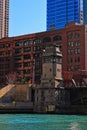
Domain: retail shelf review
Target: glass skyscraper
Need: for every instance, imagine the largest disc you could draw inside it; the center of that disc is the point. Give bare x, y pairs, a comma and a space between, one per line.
61, 12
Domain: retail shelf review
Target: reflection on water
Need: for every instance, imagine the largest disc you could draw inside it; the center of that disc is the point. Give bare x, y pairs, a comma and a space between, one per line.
42, 122
74, 126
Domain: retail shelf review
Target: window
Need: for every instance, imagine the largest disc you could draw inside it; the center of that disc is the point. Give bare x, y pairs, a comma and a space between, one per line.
26, 57
7, 58
1, 66
77, 59
26, 64
77, 35
46, 39
70, 44
19, 72
77, 67
37, 63
1, 59
37, 41
70, 60
71, 51
70, 68
58, 60
37, 55
37, 70
37, 48
7, 52
70, 36
57, 38
18, 44
26, 71
2, 52
27, 42
17, 51
77, 43
77, 51
1, 73
18, 65
2, 46
7, 45
28, 49
18, 57
73, 35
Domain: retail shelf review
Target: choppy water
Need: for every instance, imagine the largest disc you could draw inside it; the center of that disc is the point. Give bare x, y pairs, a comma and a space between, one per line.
42, 122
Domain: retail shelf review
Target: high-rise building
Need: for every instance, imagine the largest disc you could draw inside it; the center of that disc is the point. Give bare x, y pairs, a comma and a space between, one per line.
4, 18
61, 12
85, 11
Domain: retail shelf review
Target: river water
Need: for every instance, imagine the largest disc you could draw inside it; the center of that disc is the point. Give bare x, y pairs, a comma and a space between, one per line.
42, 122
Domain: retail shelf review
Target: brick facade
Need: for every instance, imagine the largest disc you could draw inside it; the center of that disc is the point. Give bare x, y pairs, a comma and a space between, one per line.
23, 54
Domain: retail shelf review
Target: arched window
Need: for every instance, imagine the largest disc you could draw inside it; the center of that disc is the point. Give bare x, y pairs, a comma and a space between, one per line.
46, 39
37, 41
27, 42
57, 38
18, 44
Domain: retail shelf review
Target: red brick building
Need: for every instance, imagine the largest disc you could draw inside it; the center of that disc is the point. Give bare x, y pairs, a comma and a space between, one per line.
23, 54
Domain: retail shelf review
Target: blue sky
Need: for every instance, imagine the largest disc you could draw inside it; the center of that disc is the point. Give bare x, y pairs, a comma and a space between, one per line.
27, 16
